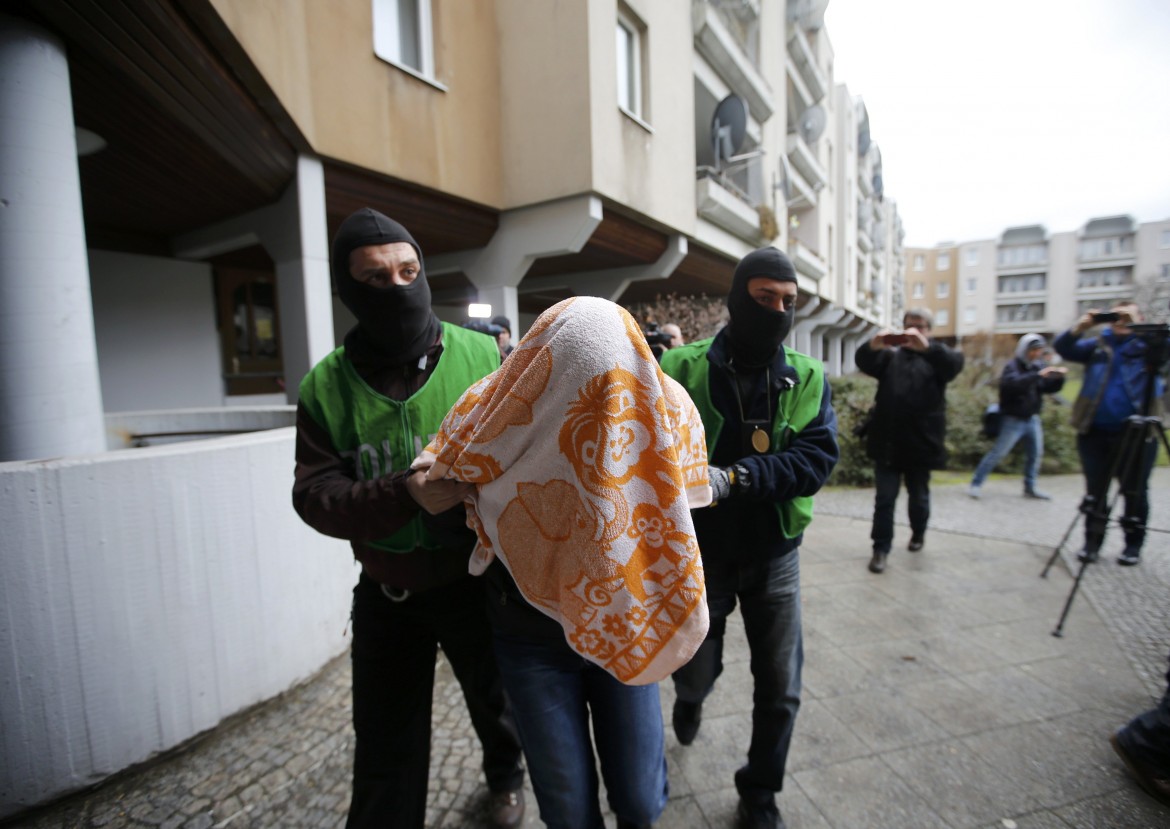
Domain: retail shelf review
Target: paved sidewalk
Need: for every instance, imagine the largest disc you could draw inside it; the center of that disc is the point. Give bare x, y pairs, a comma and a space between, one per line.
935, 696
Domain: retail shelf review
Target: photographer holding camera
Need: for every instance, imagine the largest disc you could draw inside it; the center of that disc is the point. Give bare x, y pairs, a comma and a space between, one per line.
1116, 385
907, 437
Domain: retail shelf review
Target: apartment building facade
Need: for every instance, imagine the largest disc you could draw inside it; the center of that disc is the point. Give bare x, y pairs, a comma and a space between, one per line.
931, 282
1032, 280
173, 173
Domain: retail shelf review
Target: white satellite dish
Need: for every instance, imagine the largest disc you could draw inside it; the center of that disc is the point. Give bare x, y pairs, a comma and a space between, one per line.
812, 124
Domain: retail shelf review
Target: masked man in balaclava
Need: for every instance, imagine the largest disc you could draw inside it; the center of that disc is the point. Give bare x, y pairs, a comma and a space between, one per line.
365, 412
772, 442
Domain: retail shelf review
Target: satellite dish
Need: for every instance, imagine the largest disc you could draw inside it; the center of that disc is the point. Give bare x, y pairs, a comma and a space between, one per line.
728, 128
809, 14
812, 124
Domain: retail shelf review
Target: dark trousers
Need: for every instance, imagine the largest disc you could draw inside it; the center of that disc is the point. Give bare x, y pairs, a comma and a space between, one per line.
1147, 736
393, 655
888, 481
1102, 460
769, 596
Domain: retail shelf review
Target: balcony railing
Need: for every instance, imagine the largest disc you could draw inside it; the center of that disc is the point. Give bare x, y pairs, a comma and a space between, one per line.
805, 61
715, 43
721, 203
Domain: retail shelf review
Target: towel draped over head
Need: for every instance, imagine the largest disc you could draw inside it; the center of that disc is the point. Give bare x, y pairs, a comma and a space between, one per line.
587, 460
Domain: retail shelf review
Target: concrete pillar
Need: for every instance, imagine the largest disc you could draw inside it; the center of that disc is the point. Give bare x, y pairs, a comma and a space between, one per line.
295, 234
49, 388
524, 235
806, 320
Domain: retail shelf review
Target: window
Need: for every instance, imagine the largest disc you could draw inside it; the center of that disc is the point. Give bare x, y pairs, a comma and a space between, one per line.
943, 262
972, 282
942, 290
1022, 282
972, 256
919, 290
403, 37
969, 315
1106, 247
1164, 239
1022, 255
630, 65
1164, 276
942, 317
1027, 312
1104, 277
919, 262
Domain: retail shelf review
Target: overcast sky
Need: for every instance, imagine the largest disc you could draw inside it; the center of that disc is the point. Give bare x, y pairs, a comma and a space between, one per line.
1010, 112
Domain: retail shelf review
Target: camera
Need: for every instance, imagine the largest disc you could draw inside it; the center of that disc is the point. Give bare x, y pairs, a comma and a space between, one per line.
654, 336
1107, 316
895, 339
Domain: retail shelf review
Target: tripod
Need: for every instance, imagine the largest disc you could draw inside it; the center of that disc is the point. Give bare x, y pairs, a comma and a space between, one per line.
1129, 465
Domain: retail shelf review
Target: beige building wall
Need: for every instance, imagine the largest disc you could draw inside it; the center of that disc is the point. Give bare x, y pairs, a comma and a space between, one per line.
931, 280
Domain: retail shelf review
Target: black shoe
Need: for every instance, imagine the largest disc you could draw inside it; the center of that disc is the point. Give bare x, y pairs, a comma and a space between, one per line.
762, 816
1130, 556
1157, 787
507, 809
1088, 556
916, 542
877, 564
1037, 494
686, 719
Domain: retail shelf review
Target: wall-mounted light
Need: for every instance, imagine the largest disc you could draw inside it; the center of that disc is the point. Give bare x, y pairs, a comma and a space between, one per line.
88, 141
479, 310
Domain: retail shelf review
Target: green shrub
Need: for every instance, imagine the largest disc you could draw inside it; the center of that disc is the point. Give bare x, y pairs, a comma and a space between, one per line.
967, 397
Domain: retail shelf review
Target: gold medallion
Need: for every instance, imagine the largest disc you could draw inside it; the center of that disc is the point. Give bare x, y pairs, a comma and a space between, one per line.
760, 440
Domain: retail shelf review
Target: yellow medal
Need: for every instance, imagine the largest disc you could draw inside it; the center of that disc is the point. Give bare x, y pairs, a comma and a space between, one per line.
760, 440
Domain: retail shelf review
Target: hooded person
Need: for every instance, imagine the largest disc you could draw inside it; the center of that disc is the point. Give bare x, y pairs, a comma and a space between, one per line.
586, 461
364, 412
772, 443
1025, 380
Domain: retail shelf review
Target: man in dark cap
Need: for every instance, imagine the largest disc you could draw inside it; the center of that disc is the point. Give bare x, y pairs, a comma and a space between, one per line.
505, 337
772, 442
365, 412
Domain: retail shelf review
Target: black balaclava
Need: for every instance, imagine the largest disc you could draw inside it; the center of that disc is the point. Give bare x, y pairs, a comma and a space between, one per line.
756, 332
396, 321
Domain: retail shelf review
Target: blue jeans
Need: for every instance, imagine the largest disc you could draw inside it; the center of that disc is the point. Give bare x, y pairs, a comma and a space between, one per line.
887, 481
554, 694
769, 592
1106, 456
1011, 432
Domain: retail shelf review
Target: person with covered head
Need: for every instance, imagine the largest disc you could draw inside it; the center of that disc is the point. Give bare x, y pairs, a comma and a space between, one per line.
580, 461
907, 437
365, 411
1025, 380
772, 439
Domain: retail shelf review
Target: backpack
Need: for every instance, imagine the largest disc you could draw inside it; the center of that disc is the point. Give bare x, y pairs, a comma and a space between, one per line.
992, 421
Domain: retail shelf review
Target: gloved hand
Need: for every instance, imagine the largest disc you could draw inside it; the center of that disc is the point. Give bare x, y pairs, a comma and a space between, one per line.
720, 482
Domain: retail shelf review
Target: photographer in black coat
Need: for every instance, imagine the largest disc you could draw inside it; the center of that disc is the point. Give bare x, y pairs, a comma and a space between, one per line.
906, 438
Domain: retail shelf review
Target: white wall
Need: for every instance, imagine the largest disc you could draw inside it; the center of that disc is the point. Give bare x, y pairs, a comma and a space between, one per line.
154, 321
148, 594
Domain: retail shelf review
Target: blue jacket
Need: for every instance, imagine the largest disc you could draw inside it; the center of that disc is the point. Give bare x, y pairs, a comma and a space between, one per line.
1115, 379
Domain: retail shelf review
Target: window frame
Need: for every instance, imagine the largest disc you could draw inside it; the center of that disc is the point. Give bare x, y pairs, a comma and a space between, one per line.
635, 31
385, 32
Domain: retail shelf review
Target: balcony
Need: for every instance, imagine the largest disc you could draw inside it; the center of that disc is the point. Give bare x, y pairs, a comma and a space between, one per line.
806, 261
805, 62
722, 207
718, 47
804, 161
864, 243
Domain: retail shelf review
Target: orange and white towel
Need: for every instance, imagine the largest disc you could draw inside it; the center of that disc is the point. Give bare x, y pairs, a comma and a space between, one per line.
587, 460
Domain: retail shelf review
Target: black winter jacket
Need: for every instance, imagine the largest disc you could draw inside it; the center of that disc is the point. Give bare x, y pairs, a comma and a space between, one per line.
1022, 389
910, 413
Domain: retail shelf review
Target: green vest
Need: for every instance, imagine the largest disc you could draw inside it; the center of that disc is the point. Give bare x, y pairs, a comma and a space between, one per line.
795, 409
381, 435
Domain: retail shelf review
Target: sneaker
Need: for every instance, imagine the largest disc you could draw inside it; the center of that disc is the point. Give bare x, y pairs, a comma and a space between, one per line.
973, 491
877, 564
916, 542
1037, 494
1157, 786
507, 809
758, 816
1087, 556
1130, 556
686, 720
